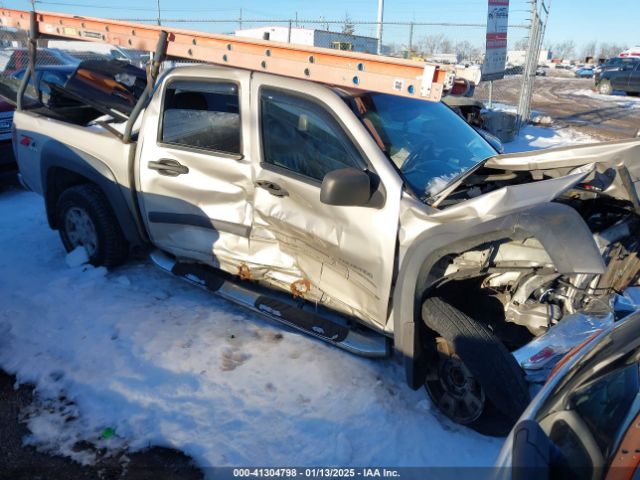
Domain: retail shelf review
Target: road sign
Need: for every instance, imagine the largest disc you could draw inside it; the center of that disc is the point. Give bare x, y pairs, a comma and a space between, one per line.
497, 26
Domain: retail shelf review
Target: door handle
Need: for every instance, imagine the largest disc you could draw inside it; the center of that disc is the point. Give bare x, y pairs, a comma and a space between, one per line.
168, 167
273, 188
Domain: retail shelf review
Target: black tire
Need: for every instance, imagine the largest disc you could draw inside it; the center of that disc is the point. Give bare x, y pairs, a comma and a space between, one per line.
504, 389
605, 88
111, 247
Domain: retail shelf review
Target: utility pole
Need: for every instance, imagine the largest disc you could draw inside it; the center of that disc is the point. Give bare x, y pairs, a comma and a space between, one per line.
240, 20
158, 3
380, 17
33, 5
410, 40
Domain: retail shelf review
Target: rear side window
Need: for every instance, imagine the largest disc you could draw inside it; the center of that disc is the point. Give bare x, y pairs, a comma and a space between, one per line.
301, 136
202, 115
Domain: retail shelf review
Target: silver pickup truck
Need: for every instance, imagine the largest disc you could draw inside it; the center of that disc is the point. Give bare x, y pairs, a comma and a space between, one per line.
371, 221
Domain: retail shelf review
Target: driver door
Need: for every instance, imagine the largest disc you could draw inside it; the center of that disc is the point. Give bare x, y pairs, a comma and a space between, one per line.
340, 256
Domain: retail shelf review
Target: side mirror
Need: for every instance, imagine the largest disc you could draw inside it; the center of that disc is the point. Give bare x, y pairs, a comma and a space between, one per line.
346, 187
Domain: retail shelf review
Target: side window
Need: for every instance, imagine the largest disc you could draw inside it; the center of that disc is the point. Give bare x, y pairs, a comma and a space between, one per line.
202, 115
301, 136
605, 403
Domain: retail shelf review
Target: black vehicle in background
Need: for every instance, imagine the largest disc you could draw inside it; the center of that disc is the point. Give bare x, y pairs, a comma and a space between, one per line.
585, 422
615, 64
626, 79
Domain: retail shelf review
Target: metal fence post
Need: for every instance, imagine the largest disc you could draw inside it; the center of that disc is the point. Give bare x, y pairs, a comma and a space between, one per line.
531, 65
490, 94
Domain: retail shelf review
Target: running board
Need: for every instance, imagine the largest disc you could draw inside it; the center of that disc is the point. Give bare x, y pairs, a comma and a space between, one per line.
318, 322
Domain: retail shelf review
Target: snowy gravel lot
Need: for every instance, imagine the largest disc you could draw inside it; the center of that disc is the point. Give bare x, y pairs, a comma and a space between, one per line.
164, 363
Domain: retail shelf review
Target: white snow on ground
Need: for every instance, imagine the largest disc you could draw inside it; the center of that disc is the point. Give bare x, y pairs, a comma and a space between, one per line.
161, 362
620, 98
165, 363
534, 138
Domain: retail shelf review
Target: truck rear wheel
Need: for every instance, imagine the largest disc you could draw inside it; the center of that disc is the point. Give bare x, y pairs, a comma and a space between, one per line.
472, 378
85, 219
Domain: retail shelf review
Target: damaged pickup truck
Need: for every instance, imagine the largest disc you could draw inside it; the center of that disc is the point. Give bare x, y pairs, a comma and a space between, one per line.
367, 220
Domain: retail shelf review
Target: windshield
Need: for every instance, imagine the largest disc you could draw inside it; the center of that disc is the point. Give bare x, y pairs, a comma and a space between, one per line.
429, 144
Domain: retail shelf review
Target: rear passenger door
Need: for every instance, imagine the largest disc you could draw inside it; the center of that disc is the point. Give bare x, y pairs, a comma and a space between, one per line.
194, 167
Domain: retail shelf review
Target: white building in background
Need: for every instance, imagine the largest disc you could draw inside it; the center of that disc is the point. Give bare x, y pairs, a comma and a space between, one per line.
312, 37
519, 57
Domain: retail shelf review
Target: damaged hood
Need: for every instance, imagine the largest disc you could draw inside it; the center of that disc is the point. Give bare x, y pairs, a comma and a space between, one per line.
613, 167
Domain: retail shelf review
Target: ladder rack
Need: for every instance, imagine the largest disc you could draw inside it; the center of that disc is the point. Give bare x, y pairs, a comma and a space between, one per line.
395, 76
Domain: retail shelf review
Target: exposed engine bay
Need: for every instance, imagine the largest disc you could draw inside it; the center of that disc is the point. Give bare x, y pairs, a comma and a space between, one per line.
520, 275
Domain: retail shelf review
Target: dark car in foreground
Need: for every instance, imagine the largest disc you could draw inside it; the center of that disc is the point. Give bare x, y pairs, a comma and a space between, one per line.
585, 422
614, 65
627, 79
7, 160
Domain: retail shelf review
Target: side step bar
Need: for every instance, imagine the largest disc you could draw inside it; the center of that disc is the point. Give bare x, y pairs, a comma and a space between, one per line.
318, 321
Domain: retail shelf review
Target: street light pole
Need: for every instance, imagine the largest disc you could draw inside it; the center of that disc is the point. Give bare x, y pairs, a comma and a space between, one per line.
380, 16
158, 2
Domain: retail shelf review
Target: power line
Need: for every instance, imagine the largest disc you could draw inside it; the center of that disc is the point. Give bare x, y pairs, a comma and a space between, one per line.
308, 21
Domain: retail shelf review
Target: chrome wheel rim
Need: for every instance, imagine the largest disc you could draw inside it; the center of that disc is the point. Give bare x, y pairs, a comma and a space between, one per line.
80, 230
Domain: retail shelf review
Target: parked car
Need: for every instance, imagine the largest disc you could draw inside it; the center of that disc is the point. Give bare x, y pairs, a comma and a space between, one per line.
82, 49
614, 65
9, 84
626, 79
363, 219
72, 89
541, 72
584, 72
46, 76
585, 422
7, 160
631, 52
19, 59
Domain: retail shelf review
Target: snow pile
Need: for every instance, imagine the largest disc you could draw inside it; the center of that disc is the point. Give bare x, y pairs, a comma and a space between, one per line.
620, 98
77, 257
138, 358
532, 137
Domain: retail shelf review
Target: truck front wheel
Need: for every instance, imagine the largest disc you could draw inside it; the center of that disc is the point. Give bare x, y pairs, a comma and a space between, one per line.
472, 378
85, 219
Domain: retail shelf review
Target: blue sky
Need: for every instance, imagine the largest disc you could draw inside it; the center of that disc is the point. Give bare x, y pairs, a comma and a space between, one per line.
578, 20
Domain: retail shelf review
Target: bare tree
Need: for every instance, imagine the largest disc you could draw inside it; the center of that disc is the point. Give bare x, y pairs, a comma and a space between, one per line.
521, 44
348, 28
431, 44
589, 49
446, 46
608, 50
467, 52
565, 50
